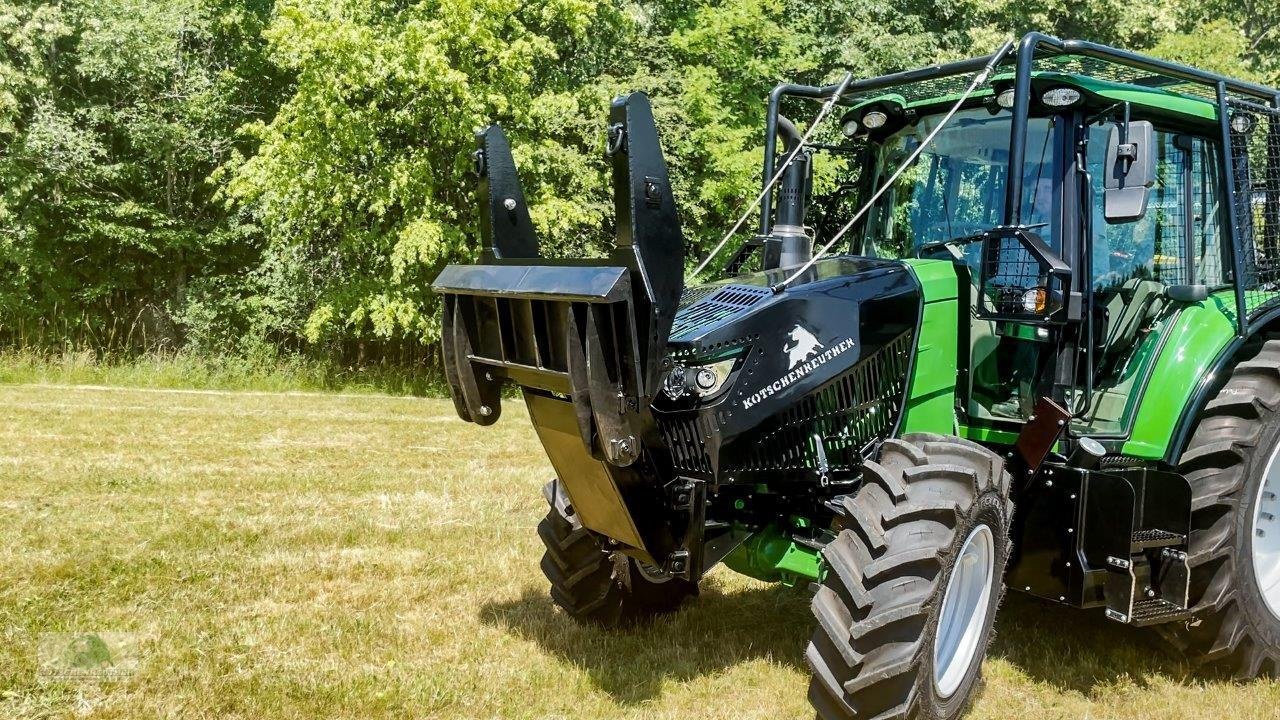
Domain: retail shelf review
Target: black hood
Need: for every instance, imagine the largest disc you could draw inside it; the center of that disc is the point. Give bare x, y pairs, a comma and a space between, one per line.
790, 350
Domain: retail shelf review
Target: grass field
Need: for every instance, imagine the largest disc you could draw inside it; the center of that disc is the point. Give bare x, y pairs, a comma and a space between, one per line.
306, 555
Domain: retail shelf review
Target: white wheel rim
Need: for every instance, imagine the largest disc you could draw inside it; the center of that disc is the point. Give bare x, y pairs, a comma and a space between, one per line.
1266, 535
964, 611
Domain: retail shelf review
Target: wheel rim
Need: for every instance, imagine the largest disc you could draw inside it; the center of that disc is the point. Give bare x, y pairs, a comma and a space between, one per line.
964, 611
1266, 536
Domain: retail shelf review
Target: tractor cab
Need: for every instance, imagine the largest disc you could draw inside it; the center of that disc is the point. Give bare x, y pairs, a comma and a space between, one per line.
1134, 263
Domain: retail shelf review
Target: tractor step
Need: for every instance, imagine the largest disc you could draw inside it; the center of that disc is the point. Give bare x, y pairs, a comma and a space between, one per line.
1147, 539
1155, 611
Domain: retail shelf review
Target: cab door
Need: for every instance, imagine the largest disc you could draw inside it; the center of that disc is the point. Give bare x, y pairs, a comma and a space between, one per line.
1177, 242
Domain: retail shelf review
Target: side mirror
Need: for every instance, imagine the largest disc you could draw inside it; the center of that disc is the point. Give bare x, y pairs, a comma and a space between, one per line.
1130, 171
1022, 279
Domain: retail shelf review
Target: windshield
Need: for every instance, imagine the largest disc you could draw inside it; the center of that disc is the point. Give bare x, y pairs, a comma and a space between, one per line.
956, 188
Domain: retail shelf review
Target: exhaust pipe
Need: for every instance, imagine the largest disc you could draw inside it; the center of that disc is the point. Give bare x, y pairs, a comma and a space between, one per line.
787, 244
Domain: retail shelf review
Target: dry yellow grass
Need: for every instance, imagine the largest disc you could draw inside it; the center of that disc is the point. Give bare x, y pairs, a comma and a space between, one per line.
300, 556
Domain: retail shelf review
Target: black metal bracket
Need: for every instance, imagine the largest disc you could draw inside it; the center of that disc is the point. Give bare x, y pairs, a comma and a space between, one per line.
648, 225
505, 227
1040, 433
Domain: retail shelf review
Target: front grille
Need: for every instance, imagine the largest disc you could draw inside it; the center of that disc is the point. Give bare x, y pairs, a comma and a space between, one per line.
845, 418
701, 308
686, 441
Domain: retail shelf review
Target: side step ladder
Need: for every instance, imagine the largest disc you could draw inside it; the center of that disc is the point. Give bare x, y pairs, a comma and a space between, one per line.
1151, 585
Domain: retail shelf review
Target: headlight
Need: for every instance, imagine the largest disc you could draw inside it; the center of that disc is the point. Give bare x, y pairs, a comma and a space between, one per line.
874, 120
701, 380
1005, 99
1035, 300
711, 378
675, 384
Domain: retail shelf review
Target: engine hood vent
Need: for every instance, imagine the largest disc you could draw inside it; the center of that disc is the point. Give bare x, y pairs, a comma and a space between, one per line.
701, 308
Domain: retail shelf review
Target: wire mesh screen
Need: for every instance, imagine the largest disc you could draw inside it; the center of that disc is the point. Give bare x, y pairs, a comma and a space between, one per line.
929, 89
1119, 73
1011, 270
1255, 159
1168, 221
1208, 211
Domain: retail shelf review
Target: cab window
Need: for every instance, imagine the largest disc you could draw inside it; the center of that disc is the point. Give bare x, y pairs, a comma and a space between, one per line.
1178, 241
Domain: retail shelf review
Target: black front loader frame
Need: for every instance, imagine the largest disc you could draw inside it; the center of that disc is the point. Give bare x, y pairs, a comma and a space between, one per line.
589, 331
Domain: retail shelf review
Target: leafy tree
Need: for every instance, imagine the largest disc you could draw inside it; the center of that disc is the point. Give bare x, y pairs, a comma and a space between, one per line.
115, 112
248, 176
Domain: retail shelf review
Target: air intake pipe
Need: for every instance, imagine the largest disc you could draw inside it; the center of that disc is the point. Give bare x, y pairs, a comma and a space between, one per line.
787, 244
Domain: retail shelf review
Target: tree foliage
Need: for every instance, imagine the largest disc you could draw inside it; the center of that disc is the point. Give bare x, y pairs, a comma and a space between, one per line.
235, 175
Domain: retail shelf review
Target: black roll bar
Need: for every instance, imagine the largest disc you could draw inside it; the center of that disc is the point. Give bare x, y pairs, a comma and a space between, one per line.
1031, 46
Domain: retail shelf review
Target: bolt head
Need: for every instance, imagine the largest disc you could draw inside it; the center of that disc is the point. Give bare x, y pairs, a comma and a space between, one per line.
509, 203
486, 411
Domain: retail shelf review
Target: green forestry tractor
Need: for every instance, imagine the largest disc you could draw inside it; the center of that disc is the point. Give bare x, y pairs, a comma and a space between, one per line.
1009, 321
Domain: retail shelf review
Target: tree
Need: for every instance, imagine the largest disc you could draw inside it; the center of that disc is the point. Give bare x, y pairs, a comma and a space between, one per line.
115, 113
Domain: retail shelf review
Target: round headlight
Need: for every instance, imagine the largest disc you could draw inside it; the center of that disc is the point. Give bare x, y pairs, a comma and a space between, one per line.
874, 120
1242, 123
674, 384
1005, 99
706, 379
850, 128
1061, 97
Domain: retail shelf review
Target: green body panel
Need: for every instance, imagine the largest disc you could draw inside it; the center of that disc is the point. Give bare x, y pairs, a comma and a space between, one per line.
1155, 98
931, 397
771, 555
1138, 95
1198, 336
988, 435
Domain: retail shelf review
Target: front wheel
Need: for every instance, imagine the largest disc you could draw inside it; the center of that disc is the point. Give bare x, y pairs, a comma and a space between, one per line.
595, 585
912, 582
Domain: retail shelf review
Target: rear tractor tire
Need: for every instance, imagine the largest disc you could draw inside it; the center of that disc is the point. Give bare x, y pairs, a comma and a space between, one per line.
1233, 464
595, 585
912, 582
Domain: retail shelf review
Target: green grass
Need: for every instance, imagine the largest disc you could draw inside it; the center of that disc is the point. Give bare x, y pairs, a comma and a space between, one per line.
303, 556
184, 370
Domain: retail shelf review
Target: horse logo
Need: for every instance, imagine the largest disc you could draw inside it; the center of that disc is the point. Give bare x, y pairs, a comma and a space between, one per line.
805, 346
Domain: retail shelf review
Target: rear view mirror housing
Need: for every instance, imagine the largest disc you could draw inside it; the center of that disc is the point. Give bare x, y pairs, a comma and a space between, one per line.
1130, 171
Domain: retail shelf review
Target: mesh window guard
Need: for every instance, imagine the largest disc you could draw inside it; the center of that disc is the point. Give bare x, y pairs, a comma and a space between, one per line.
1255, 159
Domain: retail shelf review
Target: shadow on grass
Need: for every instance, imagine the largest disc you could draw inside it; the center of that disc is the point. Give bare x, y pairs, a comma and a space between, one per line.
712, 632
1074, 650
1070, 650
